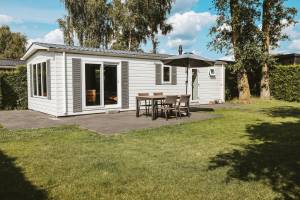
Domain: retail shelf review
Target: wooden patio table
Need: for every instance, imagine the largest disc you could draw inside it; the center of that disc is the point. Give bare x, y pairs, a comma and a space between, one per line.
152, 99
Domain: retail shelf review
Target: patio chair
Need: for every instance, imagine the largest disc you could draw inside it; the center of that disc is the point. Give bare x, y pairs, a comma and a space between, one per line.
183, 105
169, 105
146, 104
159, 103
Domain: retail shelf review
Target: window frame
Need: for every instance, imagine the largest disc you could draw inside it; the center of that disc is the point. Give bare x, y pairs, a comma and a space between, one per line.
39, 79
163, 74
212, 75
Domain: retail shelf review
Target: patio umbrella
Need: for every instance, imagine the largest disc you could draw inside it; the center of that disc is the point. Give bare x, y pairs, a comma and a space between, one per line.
188, 60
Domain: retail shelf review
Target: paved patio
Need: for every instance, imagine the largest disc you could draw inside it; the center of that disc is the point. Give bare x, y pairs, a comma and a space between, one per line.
101, 123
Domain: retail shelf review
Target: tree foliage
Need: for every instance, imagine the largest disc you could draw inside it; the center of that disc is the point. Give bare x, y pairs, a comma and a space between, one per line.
156, 15
129, 27
12, 45
120, 24
90, 21
66, 26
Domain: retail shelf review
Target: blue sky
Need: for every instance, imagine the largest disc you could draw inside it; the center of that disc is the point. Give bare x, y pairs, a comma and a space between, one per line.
191, 20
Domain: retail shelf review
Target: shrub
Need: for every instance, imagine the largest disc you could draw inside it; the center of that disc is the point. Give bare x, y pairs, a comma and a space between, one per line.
13, 89
285, 82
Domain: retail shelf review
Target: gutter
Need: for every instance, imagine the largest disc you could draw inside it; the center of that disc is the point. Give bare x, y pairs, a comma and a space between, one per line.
109, 54
66, 82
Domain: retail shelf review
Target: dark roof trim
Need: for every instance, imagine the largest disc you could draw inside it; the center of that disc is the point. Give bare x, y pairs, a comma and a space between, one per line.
98, 51
11, 63
288, 55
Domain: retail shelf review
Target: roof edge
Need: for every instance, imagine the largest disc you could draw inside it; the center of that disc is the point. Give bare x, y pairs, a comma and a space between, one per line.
35, 46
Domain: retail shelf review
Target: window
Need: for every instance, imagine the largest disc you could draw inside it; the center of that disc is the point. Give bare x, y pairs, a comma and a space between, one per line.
44, 79
166, 74
212, 73
34, 80
39, 79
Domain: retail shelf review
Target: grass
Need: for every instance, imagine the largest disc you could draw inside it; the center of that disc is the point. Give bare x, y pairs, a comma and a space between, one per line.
251, 153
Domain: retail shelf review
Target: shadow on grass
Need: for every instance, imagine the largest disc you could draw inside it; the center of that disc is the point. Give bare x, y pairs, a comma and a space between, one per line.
199, 109
285, 111
13, 183
273, 156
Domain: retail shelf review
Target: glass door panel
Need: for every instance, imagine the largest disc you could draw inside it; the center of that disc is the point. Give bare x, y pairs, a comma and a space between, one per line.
92, 84
110, 85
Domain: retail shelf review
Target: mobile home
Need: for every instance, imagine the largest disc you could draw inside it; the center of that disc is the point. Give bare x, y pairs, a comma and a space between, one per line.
69, 80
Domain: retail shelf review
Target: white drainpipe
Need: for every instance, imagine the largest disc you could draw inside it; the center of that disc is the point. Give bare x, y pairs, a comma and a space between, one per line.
66, 82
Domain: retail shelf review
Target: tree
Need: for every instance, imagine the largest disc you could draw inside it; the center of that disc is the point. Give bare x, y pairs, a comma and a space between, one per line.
67, 28
12, 45
156, 17
91, 21
236, 32
275, 18
124, 24
129, 25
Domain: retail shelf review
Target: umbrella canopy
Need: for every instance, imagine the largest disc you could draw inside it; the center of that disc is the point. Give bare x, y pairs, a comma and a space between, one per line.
188, 60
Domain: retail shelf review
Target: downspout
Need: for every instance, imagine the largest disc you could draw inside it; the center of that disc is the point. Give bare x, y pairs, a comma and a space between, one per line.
66, 83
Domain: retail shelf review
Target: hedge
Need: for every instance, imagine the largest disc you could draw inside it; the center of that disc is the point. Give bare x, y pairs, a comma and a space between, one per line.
285, 82
13, 89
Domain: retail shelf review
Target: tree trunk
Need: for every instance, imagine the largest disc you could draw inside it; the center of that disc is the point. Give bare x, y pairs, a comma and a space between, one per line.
243, 86
154, 43
242, 77
80, 39
265, 79
129, 41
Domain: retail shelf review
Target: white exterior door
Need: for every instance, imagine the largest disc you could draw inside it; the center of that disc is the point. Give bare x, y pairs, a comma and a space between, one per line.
195, 85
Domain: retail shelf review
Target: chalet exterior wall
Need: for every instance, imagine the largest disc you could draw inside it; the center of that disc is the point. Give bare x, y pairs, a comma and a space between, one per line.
142, 77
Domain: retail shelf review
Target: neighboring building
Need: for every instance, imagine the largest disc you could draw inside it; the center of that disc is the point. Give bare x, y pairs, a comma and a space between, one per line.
9, 65
66, 80
288, 59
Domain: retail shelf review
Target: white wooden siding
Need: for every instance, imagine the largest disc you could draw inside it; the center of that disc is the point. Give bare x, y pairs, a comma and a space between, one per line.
211, 89
39, 103
142, 79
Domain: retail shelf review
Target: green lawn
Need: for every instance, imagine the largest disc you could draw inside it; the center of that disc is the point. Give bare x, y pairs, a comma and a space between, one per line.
251, 153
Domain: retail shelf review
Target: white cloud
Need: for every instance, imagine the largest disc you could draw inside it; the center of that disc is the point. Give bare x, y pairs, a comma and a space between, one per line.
294, 34
183, 5
5, 19
174, 43
55, 37
295, 45
292, 45
186, 27
162, 51
228, 58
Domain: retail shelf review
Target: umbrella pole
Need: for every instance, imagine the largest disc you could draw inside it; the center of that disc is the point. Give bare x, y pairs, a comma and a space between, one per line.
187, 78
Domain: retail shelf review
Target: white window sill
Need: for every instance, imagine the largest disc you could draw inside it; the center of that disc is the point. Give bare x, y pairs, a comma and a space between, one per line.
166, 83
39, 97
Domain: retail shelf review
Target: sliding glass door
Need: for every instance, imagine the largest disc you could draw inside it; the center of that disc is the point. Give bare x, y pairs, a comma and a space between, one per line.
92, 85
100, 85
